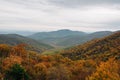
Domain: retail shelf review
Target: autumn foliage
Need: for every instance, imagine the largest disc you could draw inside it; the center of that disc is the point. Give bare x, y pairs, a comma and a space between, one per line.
96, 60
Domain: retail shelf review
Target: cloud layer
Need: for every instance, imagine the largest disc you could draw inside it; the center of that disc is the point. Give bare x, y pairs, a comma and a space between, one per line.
47, 15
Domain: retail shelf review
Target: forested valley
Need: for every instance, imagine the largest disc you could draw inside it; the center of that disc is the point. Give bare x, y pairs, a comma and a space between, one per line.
98, 59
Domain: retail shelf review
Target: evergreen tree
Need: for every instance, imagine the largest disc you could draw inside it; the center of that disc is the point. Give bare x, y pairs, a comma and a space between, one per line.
16, 72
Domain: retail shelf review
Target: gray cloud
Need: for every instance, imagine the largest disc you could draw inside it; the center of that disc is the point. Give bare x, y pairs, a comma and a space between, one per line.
42, 15
77, 3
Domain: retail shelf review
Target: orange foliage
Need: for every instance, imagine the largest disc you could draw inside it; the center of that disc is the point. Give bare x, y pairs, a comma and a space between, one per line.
19, 50
9, 61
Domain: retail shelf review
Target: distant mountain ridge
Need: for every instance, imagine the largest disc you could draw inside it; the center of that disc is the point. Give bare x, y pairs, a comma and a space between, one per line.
15, 39
67, 38
54, 34
23, 33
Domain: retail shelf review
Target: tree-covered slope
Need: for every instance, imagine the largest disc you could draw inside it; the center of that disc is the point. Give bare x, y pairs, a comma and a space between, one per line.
105, 47
14, 39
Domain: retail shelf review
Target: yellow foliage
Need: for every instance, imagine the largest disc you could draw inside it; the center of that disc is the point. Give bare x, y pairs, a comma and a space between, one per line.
106, 71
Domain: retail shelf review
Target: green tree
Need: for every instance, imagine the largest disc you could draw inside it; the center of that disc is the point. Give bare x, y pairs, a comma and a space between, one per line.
16, 72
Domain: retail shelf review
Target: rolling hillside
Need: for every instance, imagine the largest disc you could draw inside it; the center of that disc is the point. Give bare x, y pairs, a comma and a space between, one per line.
14, 39
105, 47
67, 38
78, 39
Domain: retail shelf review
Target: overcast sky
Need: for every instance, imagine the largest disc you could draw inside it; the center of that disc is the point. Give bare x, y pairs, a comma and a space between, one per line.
49, 15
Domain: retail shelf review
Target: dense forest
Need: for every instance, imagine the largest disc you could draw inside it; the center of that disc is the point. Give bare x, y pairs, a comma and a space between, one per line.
98, 59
